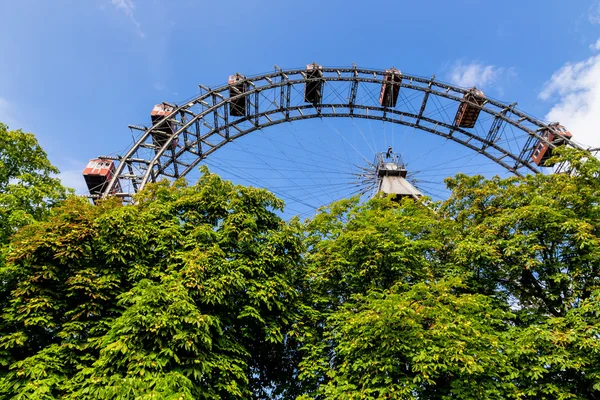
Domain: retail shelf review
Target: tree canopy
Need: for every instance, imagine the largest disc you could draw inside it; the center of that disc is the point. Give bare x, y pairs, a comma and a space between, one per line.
204, 291
28, 185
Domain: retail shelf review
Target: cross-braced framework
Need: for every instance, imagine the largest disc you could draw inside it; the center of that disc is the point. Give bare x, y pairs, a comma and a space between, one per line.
206, 123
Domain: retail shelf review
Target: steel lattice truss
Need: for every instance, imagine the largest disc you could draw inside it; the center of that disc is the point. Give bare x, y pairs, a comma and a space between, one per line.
205, 124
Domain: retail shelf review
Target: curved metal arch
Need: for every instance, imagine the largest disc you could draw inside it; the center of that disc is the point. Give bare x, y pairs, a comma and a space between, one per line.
203, 125
312, 115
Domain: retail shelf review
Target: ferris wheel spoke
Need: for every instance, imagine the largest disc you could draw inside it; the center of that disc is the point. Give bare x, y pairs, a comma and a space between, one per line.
275, 170
292, 159
326, 161
224, 170
327, 155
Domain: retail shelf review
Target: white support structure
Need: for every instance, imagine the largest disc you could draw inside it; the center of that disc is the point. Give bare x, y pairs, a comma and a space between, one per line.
391, 172
398, 186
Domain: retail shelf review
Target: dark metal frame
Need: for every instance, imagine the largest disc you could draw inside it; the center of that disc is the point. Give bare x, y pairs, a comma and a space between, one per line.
204, 124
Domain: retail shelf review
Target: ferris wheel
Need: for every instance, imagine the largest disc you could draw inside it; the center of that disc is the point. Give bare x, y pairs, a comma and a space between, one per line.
277, 131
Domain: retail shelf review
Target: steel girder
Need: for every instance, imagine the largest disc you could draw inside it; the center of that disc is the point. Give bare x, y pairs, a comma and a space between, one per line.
204, 124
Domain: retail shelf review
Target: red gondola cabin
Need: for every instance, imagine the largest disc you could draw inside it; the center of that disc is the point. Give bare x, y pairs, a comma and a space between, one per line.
390, 88
237, 86
555, 134
97, 174
313, 91
163, 131
467, 114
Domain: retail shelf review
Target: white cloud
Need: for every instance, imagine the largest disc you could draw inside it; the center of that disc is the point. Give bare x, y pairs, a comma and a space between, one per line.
475, 74
595, 46
128, 6
594, 13
575, 90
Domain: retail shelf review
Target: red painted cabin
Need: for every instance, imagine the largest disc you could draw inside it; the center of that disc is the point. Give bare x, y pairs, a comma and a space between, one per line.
237, 86
97, 174
467, 114
390, 88
555, 134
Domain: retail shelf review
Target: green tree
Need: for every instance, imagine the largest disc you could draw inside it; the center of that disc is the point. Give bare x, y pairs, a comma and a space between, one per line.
425, 340
187, 294
28, 186
491, 294
205, 292
533, 239
28, 191
358, 251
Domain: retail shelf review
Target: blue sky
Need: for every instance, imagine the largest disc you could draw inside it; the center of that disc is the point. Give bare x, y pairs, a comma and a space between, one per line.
76, 73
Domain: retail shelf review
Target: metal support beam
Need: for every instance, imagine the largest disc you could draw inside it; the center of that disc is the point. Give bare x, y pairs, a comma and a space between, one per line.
497, 126
175, 168
282, 88
215, 112
133, 181
494, 132
256, 111
288, 95
525, 153
353, 93
424, 102
198, 133
278, 86
226, 120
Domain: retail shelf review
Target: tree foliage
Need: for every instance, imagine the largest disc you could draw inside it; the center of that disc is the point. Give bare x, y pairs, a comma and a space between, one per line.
490, 294
169, 298
28, 191
28, 187
205, 292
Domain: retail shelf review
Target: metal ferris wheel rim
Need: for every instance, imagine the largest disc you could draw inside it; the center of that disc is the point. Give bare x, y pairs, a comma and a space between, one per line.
210, 110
